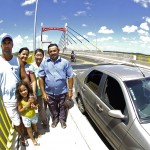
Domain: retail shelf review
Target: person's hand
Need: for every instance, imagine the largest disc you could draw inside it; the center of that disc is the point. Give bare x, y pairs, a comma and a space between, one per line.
31, 99
35, 97
34, 106
70, 94
28, 104
45, 97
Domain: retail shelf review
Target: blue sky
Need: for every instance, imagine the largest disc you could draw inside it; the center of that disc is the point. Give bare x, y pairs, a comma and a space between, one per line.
113, 25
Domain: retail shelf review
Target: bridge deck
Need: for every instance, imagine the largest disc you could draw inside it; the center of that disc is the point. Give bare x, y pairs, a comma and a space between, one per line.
79, 135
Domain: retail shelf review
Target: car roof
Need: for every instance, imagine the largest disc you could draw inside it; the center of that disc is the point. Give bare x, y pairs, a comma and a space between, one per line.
125, 72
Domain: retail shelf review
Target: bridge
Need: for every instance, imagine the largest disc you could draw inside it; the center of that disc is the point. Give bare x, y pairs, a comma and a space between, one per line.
79, 134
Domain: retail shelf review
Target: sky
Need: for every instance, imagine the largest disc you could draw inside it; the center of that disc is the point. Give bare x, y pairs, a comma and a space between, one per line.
109, 25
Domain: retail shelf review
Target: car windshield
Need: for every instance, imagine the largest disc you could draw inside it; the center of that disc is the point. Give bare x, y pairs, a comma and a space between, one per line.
140, 94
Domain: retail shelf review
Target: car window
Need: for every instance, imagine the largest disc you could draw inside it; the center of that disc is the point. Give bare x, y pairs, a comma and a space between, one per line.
93, 80
139, 91
113, 95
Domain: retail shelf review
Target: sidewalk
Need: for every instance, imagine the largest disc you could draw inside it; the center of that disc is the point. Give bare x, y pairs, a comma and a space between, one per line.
79, 135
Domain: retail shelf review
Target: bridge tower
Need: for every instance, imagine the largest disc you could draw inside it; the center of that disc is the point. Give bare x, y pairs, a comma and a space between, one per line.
64, 29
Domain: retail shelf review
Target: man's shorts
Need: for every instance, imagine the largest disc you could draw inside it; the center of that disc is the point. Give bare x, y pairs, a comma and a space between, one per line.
13, 115
28, 121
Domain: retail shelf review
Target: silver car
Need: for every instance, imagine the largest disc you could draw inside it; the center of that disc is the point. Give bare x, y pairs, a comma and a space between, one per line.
117, 98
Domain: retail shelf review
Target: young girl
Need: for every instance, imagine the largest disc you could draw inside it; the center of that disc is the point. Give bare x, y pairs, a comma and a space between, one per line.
27, 106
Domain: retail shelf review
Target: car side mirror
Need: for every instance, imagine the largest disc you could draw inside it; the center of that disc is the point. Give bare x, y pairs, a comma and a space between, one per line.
117, 114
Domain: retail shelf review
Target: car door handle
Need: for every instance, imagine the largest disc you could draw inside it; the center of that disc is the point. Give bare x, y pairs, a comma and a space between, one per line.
83, 89
99, 107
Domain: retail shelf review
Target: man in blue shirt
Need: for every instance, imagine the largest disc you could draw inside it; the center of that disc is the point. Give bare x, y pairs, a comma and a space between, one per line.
56, 83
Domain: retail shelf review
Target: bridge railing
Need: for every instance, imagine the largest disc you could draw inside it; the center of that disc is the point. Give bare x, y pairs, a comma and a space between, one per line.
127, 57
6, 129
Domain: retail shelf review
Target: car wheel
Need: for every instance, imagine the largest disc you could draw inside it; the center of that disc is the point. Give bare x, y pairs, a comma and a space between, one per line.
81, 105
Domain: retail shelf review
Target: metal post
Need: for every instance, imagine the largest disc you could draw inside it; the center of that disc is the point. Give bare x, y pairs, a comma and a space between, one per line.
65, 38
35, 19
41, 35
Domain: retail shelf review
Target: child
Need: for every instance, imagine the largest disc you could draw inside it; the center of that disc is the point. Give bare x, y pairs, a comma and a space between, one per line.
27, 106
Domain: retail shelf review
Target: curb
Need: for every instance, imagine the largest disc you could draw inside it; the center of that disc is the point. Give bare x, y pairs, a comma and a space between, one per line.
91, 138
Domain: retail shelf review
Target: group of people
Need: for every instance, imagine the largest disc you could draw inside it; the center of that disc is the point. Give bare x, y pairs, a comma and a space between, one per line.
45, 82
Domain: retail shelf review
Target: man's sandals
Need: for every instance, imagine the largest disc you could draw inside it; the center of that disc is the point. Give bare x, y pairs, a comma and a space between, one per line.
36, 143
24, 142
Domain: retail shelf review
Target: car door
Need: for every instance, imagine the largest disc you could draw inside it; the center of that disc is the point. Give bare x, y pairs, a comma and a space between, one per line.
90, 89
112, 98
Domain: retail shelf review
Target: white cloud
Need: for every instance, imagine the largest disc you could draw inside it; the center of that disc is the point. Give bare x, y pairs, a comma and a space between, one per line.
64, 18
142, 32
3, 34
28, 2
80, 13
103, 39
91, 34
18, 40
124, 38
26, 37
29, 13
55, 1
84, 25
134, 42
80, 37
148, 19
1, 21
18, 43
87, 3
85, 36
145, 39
44, 38
105, 30
144, 26
144, 3
129, 29
29, 41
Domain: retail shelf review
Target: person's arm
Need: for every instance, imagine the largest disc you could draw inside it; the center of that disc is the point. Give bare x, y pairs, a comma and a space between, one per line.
33, 82
42, 87
22, 109
23, 75
70, 87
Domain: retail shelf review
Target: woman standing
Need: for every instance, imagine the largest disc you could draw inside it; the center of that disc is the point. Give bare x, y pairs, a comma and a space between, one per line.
38, 56
23, 55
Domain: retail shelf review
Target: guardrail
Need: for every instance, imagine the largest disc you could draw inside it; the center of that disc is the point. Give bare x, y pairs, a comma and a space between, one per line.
139, 59
6, 129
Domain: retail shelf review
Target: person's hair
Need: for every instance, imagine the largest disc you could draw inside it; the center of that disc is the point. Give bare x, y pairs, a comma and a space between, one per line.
53, 44
18, 85
22, 49
39, 50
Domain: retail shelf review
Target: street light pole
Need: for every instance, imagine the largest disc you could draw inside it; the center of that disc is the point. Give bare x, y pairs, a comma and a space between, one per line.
35, 19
